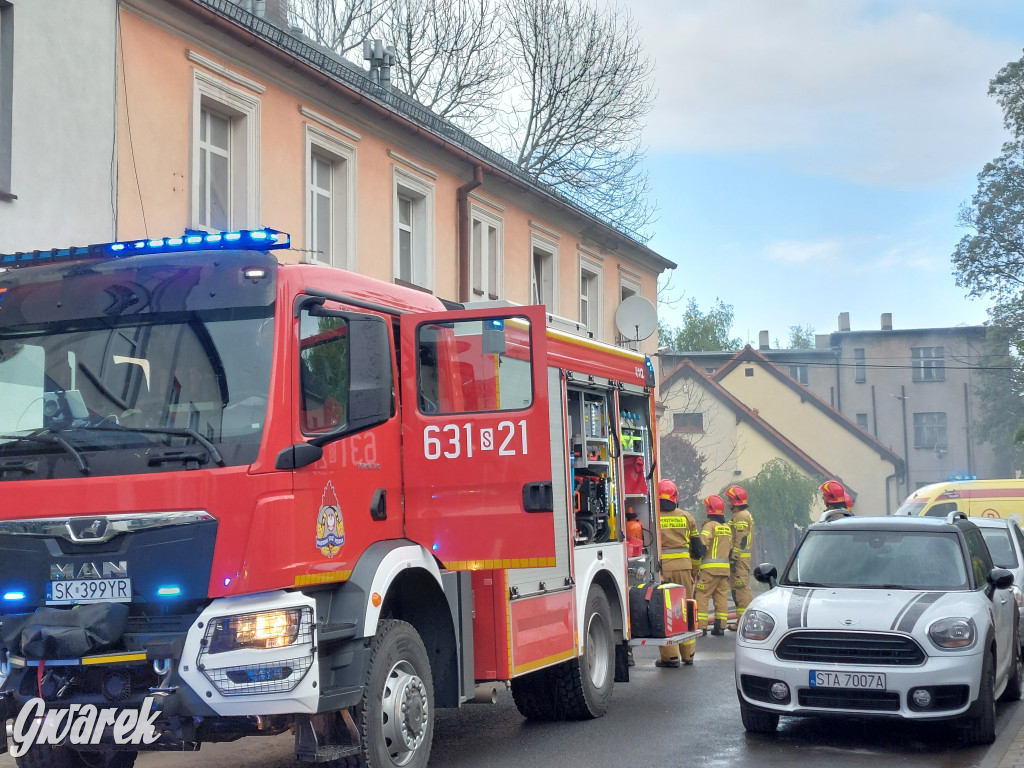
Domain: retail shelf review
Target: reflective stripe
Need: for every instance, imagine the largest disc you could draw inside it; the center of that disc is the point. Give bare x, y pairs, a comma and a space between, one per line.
675, 556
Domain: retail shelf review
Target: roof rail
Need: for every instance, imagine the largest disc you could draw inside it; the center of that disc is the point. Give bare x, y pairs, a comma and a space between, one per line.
955, 515
832, 514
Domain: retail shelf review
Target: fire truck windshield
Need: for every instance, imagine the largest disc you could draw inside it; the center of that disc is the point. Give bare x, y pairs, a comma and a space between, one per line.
164, 386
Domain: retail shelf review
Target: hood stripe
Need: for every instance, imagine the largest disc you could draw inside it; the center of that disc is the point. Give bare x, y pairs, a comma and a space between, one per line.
914, 613
905, 608
796, 616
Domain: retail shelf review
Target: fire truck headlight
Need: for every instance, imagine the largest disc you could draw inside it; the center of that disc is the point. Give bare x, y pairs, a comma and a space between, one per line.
756, 625
261, 631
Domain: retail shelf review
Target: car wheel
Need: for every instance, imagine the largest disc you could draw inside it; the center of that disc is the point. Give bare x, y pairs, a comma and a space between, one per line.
980, 721
757, 720
1015, 677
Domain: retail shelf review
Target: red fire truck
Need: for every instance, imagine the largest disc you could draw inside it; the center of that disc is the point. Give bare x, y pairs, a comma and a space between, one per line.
264, 496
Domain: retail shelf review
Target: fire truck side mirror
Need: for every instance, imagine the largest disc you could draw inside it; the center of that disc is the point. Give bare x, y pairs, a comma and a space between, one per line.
372, 385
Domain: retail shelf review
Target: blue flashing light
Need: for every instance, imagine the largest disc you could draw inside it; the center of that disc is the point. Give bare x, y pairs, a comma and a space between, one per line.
169, 591
259, 239
436, 546
14, 595
227, 581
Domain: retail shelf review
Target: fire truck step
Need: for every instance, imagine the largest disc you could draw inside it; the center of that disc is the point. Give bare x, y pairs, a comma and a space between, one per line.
327, 752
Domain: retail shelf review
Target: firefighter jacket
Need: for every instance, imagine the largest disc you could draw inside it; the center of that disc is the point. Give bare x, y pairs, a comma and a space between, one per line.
716, 535
677, 528
742, 525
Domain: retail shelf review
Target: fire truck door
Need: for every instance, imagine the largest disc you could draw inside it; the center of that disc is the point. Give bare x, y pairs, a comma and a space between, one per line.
476, 444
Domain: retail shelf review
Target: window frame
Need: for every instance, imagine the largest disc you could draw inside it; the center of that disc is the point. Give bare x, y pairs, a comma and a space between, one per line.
243, 111
342, 157
798, 371
693, 428
421, 194
633, 287
549, 248
591, 274
481, 278
860, 375
924, 429
928, 364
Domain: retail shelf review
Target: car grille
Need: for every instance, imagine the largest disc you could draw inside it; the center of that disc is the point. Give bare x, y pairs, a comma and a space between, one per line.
850, 648
849, 698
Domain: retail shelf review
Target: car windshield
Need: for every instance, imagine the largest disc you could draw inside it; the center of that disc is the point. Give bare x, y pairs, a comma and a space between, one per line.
879, 559
1000, 547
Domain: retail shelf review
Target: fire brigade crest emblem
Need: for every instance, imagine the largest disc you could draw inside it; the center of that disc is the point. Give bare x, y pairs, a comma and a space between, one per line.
330, 526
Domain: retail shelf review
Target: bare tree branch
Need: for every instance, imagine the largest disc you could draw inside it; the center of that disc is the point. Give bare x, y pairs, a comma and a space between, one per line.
340, 25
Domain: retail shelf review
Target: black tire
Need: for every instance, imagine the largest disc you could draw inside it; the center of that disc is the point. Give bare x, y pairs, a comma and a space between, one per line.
583, 686
1015, 679
46, 756
396, 714
757, 720
534, 697
980, 721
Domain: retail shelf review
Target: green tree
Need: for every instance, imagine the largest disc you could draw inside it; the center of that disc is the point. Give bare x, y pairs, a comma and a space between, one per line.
684, 465
989, 262
701, 331
780, 500
801, 337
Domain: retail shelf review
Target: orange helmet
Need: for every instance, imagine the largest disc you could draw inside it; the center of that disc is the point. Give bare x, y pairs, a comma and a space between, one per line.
849, 501
667, 490
736, 495
832, 492
715, 505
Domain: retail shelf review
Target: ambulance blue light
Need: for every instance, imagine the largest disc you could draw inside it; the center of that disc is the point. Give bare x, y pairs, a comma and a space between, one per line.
14, 595
169, 591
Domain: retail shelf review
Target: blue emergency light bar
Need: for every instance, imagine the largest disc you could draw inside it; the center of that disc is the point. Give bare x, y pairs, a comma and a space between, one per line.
252, 239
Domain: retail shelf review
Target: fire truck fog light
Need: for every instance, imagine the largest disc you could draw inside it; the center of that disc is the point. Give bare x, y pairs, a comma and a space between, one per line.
922, 697
262, 631
780, 691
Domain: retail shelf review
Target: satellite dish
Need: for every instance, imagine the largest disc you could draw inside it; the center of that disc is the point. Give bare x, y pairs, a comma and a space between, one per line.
636, 318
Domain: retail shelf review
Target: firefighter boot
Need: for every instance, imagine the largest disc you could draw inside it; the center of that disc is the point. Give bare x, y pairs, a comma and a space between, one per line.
718, 628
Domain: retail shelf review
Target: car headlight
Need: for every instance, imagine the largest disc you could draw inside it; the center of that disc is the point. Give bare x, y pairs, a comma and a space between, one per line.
263, 630
956, 632
756, 625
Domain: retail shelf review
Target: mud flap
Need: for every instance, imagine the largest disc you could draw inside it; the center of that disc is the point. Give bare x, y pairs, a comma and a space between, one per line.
622, 663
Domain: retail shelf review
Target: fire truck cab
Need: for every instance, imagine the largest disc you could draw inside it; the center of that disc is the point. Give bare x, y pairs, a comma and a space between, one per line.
243, 497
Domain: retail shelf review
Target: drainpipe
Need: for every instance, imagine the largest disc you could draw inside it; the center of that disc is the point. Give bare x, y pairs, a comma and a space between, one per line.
462, 198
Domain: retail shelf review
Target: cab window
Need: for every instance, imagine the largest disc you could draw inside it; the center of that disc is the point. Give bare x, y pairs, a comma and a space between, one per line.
323, 373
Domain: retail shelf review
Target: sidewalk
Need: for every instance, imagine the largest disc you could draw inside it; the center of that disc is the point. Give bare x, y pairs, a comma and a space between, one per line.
1008, 749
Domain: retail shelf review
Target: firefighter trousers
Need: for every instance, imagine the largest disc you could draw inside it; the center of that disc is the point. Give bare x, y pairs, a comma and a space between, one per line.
712, 587
678, 572
741, 586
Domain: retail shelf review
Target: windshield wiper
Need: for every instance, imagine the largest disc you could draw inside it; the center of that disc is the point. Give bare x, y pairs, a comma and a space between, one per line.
805, 584
52, 439
178, 431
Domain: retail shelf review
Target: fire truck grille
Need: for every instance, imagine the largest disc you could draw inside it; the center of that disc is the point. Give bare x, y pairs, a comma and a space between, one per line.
850, 648
849, 698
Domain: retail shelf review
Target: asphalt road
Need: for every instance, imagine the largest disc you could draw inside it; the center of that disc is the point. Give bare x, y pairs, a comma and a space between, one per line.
662, 717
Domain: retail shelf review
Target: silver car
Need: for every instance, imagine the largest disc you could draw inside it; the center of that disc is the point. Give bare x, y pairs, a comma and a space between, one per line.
1005, 541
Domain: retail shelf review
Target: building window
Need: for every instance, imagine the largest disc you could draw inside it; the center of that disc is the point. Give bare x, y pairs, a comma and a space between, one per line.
543, 273
225, 158
590, 297
929, 363
414, 230
627, 289
799, 372
860, 372
930, 430
485, 266
688, 422
862, 421
330, 214
6, 97
748, 372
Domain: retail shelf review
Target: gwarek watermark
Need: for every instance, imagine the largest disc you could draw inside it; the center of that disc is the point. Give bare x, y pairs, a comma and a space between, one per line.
82, 725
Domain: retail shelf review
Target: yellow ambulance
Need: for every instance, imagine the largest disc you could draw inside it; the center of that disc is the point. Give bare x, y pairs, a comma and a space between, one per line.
975, 498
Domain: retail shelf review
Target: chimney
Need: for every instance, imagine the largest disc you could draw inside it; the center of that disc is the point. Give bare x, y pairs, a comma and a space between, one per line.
382, 58
844, 321
274, 11
887, 321
762, 340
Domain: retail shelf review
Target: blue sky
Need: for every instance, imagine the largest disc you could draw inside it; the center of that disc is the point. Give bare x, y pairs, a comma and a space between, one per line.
809, 157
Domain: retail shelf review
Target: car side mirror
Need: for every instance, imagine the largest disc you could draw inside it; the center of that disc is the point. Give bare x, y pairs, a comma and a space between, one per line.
766, 573
1000, 578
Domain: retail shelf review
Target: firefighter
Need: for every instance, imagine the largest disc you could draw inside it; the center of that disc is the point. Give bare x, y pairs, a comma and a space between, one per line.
713, 584
742, 524
834, 495
678, 534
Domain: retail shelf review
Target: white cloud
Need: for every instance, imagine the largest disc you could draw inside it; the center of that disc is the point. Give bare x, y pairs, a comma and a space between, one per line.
891, 93
793, 252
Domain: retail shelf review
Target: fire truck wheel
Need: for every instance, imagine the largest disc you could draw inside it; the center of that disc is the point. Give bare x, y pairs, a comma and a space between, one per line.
584, 685
396, 720
45, 756
532, 694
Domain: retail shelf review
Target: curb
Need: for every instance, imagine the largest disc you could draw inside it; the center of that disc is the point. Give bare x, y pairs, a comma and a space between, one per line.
1013, 733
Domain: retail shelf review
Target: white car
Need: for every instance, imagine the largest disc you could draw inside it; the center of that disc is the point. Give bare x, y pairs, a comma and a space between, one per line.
1005, 542
882, 616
